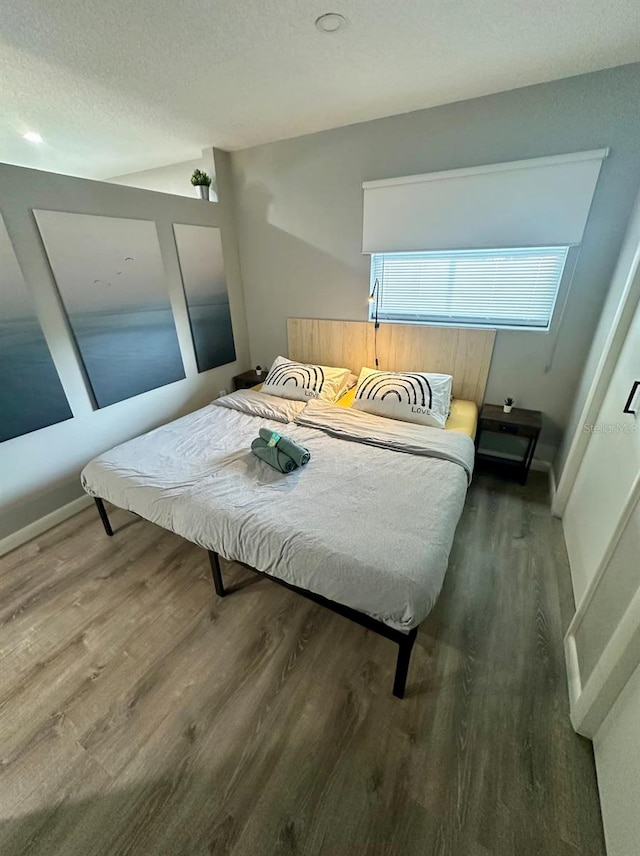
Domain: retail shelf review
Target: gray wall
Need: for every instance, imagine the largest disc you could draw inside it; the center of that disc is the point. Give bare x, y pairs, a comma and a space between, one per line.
39, 471
299, 206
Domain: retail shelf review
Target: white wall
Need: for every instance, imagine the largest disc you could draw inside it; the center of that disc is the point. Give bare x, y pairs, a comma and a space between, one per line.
175, 178
617, 751
608, 471
300, 217
599, 365
601, 525
39, 471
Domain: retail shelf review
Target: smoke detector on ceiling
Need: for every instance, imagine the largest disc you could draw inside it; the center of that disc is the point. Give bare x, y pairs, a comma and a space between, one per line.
331, 22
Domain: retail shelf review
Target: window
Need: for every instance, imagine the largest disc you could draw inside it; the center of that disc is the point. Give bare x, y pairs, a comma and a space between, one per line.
514, 288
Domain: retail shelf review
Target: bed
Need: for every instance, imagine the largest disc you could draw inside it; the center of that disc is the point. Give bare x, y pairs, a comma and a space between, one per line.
366, 528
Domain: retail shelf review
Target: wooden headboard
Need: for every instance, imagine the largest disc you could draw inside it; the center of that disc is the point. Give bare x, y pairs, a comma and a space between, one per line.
462, 352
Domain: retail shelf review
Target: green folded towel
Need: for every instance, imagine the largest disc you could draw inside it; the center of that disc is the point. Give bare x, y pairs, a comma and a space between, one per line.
299, 454
273, 456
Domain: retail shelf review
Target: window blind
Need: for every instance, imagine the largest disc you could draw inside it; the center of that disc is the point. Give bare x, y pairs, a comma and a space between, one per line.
513, 288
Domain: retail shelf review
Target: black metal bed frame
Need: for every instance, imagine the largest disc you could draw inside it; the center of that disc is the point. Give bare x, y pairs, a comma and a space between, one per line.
405, 641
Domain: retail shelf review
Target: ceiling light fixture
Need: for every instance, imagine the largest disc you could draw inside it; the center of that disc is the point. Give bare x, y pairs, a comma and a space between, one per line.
331, 22
32, 137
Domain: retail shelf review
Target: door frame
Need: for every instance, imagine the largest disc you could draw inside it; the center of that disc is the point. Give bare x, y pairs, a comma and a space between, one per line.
619, 327
590, 703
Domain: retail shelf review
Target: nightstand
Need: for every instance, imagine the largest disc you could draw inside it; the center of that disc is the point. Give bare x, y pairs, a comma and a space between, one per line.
248, 379
526, 424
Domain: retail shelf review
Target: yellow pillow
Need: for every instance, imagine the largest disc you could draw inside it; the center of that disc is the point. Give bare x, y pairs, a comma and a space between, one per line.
347, 398
463, 417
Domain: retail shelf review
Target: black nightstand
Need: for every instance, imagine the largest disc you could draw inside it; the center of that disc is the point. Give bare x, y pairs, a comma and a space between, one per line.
518, 423
248, 379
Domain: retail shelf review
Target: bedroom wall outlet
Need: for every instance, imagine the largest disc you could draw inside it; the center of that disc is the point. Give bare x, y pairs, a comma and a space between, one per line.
222, 392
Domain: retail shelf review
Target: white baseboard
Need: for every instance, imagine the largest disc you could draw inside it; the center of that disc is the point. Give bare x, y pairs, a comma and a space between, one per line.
16, 539
546, 467
552, 490
540, 466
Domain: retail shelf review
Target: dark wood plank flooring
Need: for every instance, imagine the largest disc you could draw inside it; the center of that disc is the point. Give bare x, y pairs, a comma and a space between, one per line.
140, 714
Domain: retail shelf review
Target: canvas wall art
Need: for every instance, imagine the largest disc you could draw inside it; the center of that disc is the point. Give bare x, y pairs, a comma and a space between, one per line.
111, 279
31, 395
205, 287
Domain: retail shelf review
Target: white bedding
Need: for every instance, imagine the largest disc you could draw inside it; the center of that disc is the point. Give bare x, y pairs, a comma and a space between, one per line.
369, 526
261, 404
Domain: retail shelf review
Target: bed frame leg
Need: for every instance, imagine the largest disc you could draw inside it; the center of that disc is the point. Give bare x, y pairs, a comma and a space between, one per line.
402, 664
102, 511
216, 572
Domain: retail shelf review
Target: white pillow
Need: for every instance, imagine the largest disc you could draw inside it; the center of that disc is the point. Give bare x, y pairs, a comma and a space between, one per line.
418, 397
301, 381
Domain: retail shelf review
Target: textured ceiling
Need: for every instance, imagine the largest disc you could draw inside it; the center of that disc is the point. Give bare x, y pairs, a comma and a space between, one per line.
124, 85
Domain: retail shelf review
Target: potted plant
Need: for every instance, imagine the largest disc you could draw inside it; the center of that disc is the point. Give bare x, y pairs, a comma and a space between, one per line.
508, 405
202, 182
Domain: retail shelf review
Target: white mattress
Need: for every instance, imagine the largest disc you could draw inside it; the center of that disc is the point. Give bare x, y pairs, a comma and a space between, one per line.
369, 522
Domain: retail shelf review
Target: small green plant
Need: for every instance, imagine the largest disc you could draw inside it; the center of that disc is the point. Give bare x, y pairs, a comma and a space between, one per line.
508, 402
200, 178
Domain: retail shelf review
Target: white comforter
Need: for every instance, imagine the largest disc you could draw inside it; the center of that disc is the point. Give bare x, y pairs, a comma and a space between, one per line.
369, 522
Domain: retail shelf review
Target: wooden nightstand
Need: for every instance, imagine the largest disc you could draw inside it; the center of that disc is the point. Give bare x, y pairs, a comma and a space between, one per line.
248, 379
519, 423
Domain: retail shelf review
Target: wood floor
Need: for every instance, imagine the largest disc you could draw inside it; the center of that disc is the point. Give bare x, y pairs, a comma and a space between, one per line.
140, 714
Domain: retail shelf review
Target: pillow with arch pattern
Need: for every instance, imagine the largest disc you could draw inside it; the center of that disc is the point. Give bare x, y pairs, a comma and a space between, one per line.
302, 381
420, 397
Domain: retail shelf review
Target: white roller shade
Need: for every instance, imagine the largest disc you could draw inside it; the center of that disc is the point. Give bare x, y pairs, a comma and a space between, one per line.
529, 203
